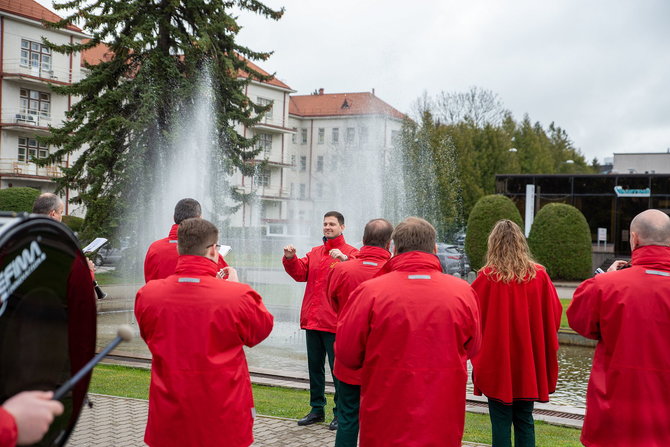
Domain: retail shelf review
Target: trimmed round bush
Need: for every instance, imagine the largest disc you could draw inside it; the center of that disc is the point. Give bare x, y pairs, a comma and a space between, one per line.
75, 223
19, 199
560, 240
487, 211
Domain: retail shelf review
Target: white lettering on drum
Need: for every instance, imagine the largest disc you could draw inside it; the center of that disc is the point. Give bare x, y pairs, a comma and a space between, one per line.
18, 269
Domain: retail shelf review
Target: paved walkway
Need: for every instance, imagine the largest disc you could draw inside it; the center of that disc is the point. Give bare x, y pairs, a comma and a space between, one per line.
120, 422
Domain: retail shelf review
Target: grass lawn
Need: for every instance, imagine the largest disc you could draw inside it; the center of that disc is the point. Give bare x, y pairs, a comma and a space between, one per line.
564, 318
288, 403
109, 278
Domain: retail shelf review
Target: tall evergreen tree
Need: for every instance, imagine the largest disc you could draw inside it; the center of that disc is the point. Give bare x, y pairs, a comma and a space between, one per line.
129, 101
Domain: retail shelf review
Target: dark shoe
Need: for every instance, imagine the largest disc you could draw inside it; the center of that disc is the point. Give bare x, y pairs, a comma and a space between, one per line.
333, 425
311, 418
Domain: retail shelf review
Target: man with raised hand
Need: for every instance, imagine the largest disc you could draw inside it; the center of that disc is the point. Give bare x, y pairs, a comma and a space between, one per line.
316, 316
161, 258
628, 312
196, 326
410, 331
344, 278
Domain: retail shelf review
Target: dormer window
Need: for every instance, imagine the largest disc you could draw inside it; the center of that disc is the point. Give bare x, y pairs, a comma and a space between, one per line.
345, 104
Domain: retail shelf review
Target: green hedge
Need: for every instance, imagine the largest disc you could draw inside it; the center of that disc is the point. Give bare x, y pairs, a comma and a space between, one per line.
75, 223
487, 211
19, 199
560, 240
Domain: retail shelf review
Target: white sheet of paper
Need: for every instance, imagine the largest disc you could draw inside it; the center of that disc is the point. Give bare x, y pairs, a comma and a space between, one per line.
224, 250
93, 246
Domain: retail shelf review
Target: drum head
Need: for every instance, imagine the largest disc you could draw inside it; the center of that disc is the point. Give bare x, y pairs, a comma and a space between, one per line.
47, 315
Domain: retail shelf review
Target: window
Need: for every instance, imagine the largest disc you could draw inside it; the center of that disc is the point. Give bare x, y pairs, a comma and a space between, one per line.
265, 143
33, 102
294, 136
30, 149
364, 135
303, 191
35, 55
303, 136
351, 134
303, 163
293, 162
266, 102
322, 135
319, 163
263, 177
319, 190
336, 135
292, 191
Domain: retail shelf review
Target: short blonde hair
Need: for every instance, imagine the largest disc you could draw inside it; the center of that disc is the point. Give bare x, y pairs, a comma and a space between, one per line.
413, 234
508, 256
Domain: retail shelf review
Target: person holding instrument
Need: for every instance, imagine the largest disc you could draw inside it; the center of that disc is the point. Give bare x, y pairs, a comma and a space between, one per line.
25, 417
521, 314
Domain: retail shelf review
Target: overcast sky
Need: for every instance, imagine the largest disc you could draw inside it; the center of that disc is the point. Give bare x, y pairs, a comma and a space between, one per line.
597, 68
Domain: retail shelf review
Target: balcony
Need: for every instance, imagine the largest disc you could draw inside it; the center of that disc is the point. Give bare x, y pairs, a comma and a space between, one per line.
12, 168
16, 119
13, 69
265, 192
274, 125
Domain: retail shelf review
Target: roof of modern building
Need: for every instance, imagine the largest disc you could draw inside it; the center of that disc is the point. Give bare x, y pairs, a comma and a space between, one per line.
340, 104
30, 9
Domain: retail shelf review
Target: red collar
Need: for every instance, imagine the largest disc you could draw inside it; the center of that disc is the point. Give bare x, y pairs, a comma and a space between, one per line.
412, 261
652, 256
196, 265
376, 253
173, 232
335, 242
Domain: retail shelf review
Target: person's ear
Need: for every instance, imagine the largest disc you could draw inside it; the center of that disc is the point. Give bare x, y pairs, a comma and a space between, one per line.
634, 240
435, 249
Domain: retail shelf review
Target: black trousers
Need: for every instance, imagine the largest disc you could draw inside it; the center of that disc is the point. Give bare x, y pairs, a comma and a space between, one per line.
519, 414
348, 405
319, 345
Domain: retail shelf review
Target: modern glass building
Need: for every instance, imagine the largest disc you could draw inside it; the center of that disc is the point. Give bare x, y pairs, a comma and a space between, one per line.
607, 201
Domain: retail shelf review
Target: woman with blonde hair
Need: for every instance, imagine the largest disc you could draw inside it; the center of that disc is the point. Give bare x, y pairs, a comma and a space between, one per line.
521, 313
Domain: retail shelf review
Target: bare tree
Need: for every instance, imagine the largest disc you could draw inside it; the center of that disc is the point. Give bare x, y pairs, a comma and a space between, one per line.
477, 105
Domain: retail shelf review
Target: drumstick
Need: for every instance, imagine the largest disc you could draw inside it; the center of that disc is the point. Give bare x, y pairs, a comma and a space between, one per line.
124, 333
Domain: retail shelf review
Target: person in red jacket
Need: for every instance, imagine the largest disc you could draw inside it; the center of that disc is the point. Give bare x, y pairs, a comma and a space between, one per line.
25, 417
195, 326
161, 258
410, 331
316, 316
521, 314
344, 278
628, 312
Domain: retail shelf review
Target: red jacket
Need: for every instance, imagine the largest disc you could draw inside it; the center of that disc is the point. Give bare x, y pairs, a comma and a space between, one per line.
410, 332
195, 326
520, 321
161, 259
8, 430
344, 278
315, 268
628, 312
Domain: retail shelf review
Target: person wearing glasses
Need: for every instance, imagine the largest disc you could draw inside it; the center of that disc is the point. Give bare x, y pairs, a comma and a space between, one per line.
196, 326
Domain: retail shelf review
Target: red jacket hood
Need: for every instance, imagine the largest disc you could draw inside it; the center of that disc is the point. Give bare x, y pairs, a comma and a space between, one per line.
412, 261
375, 253
196, 265
652, 256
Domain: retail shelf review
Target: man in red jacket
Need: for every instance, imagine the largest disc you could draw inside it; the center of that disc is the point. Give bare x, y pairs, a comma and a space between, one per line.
628, 312
25, 417
195, 326
410, 333
161, 258
316, 316
344, 278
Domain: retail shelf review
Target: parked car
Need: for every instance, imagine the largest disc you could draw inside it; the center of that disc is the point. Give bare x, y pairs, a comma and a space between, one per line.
108, 255
453, 259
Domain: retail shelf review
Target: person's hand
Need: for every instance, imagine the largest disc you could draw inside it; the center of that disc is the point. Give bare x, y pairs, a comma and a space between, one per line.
229, 273
289, 251
335, 253
33, 412
91, 266
616, 265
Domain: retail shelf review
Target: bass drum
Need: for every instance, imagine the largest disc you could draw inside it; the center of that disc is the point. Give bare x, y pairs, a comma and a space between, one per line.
47, 314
